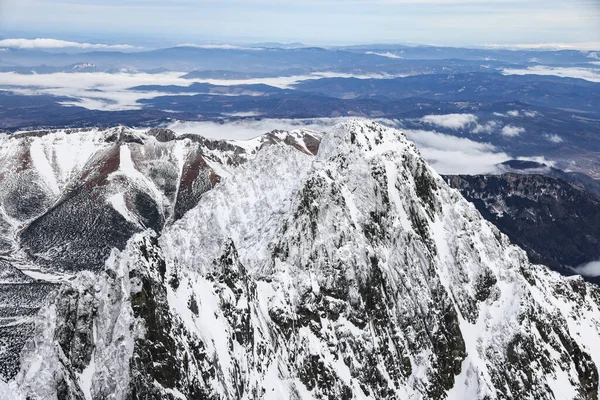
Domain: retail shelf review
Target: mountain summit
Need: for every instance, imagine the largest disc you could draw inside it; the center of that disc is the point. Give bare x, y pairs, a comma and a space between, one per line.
345, 269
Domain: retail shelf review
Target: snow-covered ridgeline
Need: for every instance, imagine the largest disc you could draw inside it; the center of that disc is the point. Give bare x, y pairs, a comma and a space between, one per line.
108, 184
357, 273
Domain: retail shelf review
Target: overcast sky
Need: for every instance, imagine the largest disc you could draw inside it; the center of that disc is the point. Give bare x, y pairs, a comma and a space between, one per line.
443, 22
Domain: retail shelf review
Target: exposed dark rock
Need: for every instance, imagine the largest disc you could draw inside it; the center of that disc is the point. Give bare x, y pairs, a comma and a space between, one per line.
196, 179
75, 313
162, 135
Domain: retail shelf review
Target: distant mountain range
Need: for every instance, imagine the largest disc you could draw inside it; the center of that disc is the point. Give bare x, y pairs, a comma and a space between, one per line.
526, 103
259, 59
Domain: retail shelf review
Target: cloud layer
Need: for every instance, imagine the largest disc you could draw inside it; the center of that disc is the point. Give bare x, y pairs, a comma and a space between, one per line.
591, 269
453, 155
95, 91
386, 54
512, 131
111, 92
588, 74
42, 43
554, 138
471, 122
450, 121
488, 127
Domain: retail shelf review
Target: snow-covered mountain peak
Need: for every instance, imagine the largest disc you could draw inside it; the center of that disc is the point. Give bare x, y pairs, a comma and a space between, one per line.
362, 135
355, 273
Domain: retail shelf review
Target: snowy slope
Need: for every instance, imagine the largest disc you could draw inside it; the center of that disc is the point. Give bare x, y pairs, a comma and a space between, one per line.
67, 197
353, 273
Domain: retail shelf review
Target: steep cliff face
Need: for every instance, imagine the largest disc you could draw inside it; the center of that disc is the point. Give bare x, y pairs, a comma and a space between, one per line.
353, 274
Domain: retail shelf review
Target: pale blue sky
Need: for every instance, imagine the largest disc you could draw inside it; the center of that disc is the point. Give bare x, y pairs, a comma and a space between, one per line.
443, 22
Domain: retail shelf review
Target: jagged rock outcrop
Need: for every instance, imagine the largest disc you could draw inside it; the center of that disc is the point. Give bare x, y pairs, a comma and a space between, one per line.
356, 273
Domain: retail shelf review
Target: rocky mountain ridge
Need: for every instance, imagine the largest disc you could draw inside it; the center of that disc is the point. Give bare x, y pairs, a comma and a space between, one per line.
68, 197
355, 272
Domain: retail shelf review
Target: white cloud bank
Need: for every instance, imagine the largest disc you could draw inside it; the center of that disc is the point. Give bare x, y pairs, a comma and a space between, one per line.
512, 131
488, 127
453, 155
42, 43
517, 113
591, 269
111, 92
450, 121
587, 74
386, 54
95, 91
461, 121
554, 138
539, 160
